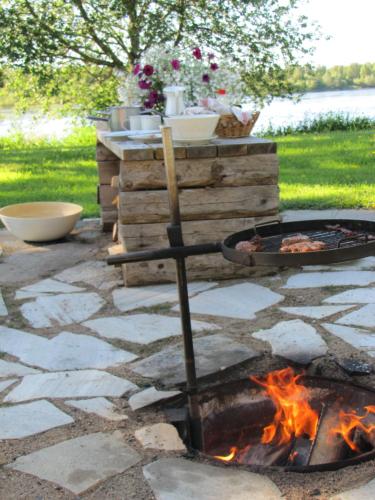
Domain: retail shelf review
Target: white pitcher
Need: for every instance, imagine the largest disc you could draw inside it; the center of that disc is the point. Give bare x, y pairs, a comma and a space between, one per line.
175, 100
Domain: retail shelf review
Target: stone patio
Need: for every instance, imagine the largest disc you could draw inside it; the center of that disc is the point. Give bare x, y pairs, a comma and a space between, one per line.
85, 366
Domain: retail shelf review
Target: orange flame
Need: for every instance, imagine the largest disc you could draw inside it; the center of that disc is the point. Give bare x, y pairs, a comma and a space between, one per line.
350, 421
230, 457
294, 416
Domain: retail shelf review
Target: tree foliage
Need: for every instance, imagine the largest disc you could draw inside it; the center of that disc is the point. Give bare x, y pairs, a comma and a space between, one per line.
306, 78
262, 36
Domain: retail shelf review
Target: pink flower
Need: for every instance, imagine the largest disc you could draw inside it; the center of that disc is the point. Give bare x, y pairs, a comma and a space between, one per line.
148, 104
136, 69
211, 56
205, 78
176, 64
148, 70
214, 66
144, 84
197, 53
153, 95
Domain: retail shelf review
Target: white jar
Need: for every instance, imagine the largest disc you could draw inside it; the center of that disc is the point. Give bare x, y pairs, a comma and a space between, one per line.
150, 122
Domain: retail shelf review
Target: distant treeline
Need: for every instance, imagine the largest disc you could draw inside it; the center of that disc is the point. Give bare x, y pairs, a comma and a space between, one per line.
307, 78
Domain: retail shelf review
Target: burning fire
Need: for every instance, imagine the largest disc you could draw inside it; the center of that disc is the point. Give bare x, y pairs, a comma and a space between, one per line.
293, 418
350, 422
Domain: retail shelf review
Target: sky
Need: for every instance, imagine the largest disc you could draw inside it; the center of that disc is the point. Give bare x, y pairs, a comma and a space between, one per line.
351, 26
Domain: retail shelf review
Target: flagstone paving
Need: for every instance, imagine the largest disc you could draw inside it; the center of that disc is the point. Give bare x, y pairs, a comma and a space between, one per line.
66, 351
60, 310
11, 369
179, 479
367, 491
149, 396
4, 384
355, 265
64, 385
93, 272
127, 299
359, 339
294, 340
334, 278
75, 384
236, 301
315, 312
80, 463
353, 296
160, 437
365, 316
143, 328
212, 354
45, 287
3, 307
99, 406
27, 419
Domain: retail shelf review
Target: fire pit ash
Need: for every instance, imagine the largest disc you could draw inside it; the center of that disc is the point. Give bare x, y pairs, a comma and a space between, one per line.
294, 421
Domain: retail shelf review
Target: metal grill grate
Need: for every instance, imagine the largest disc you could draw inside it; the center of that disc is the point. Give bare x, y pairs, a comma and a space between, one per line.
333, 239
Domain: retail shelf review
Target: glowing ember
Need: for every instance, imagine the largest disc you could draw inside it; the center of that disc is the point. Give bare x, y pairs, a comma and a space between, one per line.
294, 416
349, 422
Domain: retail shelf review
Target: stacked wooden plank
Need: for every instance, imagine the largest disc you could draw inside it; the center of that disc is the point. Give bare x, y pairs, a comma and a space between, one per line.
224, 187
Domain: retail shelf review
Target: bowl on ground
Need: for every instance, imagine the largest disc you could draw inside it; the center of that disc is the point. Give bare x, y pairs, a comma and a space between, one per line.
192, 127
40, 221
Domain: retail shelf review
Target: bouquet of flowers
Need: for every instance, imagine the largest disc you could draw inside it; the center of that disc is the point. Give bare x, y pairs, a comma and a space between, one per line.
202, 74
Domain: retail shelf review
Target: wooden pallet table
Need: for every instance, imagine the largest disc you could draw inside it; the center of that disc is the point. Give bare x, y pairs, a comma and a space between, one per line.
225, 187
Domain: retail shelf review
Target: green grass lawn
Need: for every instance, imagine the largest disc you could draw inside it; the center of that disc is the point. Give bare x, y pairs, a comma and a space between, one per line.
335, 169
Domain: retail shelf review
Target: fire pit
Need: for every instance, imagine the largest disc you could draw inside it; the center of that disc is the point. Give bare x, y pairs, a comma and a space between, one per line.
297, 422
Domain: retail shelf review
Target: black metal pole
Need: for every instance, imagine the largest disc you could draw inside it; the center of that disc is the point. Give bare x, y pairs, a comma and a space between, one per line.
176, 240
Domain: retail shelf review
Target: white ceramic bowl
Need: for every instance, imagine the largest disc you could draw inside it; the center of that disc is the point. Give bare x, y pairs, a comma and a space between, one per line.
40, 221
192, 127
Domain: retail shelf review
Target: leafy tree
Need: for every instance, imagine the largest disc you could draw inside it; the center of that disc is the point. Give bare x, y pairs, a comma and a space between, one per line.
262, 35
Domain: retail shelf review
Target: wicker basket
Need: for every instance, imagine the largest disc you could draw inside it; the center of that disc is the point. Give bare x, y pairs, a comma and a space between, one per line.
229, 126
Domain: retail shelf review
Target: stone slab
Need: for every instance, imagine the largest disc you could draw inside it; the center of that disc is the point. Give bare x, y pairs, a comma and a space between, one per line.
365, 316
27, 419
126, 299
354, 296
149, 397
180, 479
212, 354
236, 301
45, 287
294, 340
93, 272
359, 339
10, 369
333, 278
315, 312
160, 437
30, 262
354, 366
80, 463
351, 265
3, 307
66, 351
4, 384
99, 406
143, 328
366, 491
76, 384
60, 310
